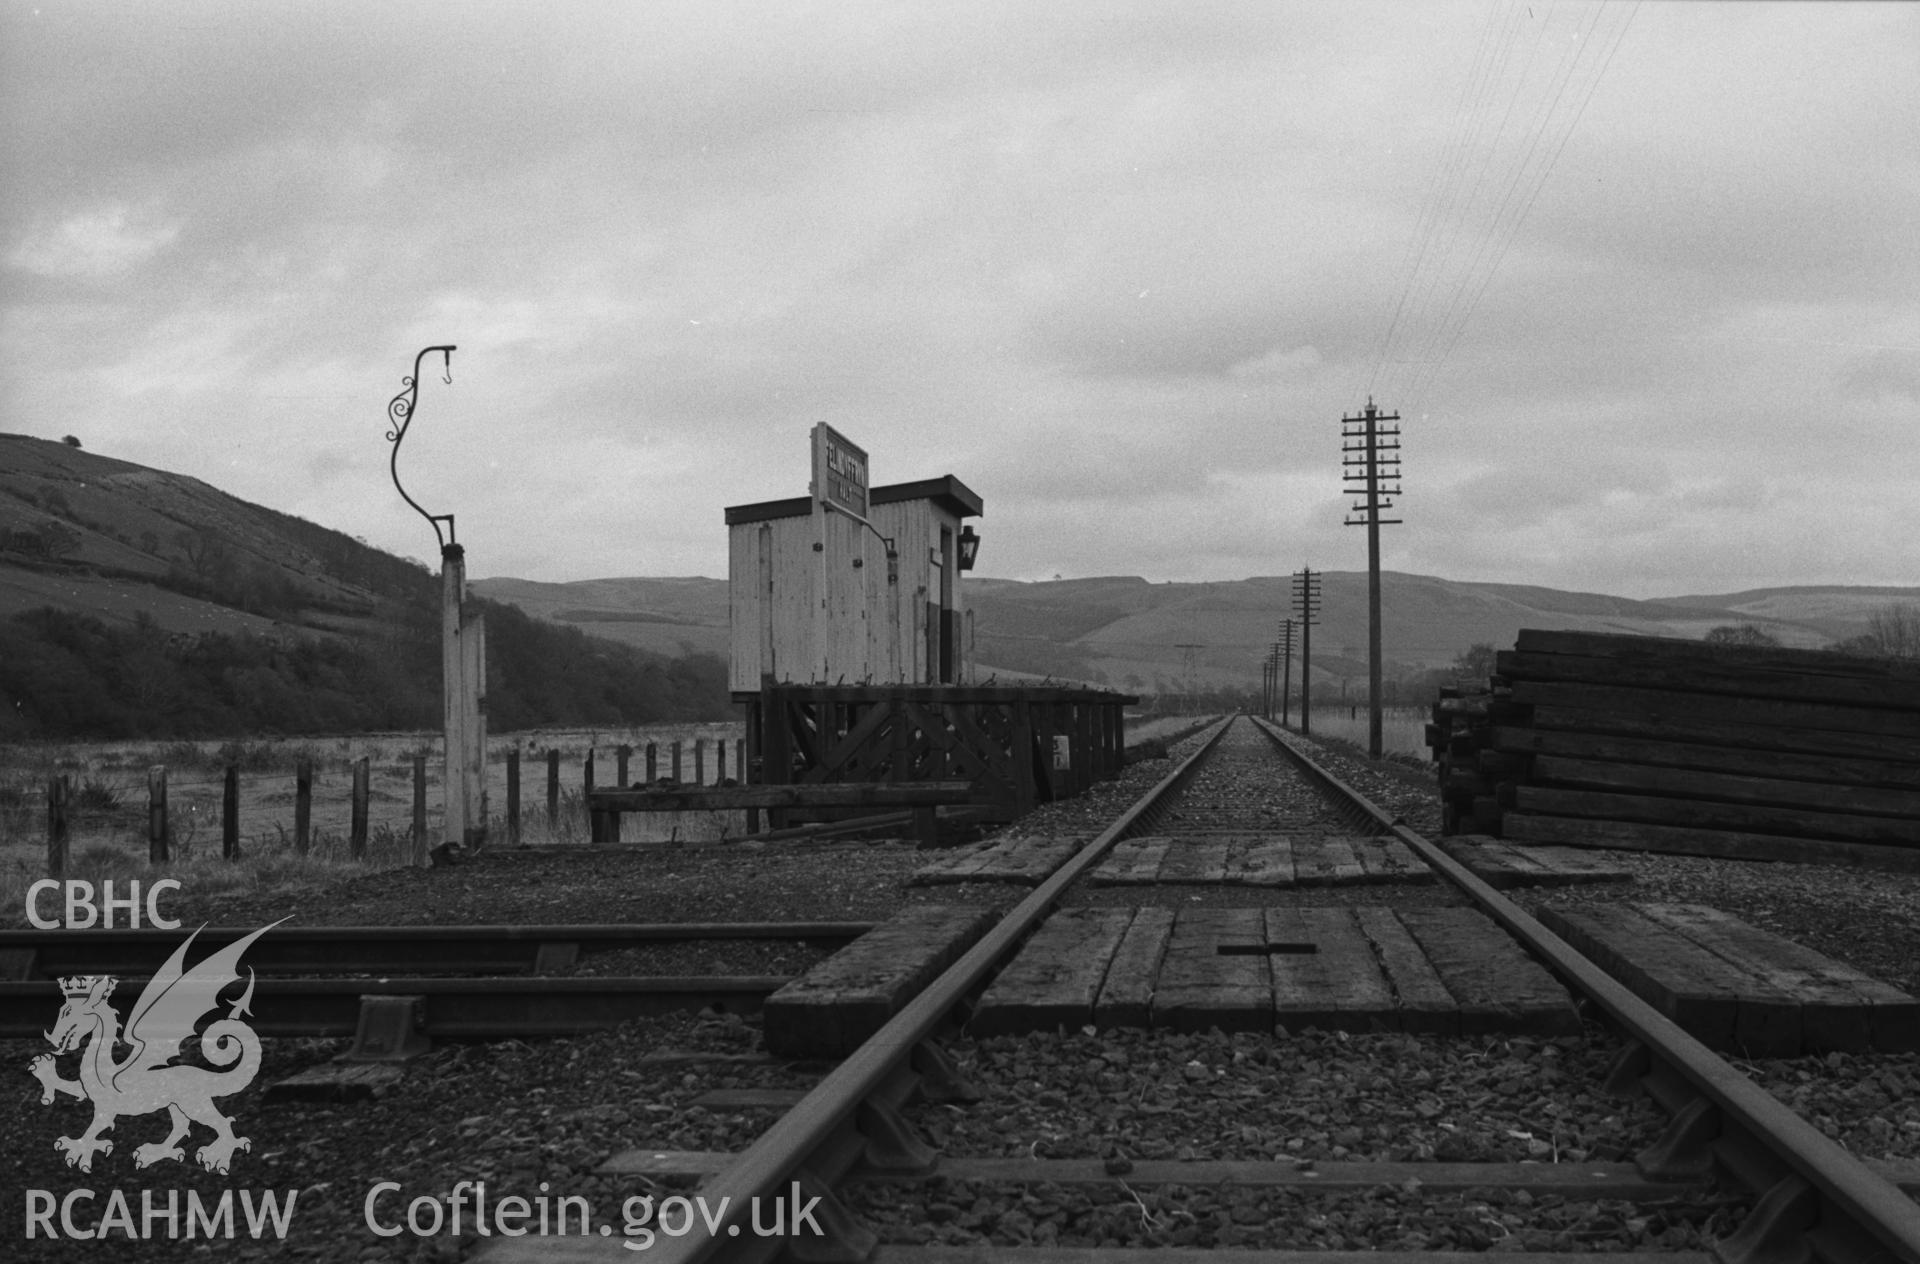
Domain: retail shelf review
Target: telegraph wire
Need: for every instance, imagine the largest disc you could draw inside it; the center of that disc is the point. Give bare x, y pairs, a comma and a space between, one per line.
1511, 126
1506, 236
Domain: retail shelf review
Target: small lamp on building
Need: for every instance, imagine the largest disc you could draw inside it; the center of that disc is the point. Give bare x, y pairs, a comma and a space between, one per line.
969, 547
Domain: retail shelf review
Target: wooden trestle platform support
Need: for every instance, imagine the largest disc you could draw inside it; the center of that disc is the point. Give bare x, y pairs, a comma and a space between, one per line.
1647, 743
826, 753
1017, 747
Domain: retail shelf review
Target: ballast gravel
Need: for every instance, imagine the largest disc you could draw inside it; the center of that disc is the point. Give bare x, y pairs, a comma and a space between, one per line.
1307, 1095
520, 1114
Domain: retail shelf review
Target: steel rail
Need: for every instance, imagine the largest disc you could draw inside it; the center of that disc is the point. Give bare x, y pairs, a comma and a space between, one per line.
453, 1009
1870, 1203
485, 949
764, 1168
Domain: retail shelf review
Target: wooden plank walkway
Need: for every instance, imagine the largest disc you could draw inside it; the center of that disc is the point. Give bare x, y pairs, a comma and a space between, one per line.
1017, 859
1199, 987
1258, 860
1738, 988
1497, 986
1057, 977
1505, 865
1441, 971
832, 1008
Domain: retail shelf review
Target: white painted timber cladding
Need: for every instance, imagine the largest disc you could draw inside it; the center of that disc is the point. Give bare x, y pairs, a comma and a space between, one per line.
855, 630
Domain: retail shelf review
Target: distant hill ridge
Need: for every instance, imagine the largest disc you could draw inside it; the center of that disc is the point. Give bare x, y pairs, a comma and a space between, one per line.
1130, 633
104, 537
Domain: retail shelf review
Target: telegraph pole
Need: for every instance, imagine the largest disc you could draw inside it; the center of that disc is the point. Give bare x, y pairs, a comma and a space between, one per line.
1370, 455
1286, 670
1187, 649
1306, 608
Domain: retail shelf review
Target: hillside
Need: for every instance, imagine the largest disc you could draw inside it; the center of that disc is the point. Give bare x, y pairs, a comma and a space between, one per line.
97, 536
139, 603
662, 616
1131, 634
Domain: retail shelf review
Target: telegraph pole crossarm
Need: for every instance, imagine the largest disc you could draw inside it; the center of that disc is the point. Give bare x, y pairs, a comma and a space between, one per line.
1306, 599
1286, 669
1370, 447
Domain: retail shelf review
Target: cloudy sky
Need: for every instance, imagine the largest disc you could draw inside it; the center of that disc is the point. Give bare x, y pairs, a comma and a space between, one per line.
1642, 282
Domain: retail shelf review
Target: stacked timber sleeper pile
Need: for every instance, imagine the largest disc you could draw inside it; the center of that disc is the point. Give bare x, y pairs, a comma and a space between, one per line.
1602, 740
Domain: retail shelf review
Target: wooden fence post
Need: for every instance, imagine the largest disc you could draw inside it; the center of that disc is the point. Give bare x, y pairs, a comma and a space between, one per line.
357, 836
699, 761
159, 842
57, 787
676, 761
719, 761
621, 756
553, 789
594, 825
513, 797
653, 762
1025, 788
230, 815
418, 851
302, 807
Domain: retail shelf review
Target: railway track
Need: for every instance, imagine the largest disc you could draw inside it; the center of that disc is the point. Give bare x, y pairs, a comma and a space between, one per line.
473, 982
1777, 1189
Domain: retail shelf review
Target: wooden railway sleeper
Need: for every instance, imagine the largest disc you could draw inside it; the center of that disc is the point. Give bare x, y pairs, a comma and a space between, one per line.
552, 958
1775, 1232
1700, 1144
843, 1238
892, 1147
875, 1141
1627, 1071
1684, 1152
17, 964
389, 1029
941, 1079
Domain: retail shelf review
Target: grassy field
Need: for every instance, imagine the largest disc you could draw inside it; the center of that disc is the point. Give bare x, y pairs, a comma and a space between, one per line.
108, 816
1402, 729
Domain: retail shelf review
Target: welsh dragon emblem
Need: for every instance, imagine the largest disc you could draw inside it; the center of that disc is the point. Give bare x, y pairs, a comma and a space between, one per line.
173, 1002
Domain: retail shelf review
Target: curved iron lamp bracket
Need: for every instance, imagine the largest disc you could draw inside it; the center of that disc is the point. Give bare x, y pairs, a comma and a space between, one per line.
400, 413
893, 553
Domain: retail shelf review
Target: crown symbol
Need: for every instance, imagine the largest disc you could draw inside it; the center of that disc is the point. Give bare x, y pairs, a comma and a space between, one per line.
79, 986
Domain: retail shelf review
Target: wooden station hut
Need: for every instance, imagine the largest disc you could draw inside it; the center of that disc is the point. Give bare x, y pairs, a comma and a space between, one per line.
851, 650
816, 598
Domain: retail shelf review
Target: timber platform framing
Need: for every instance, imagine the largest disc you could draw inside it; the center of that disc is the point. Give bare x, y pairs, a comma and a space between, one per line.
1440, 970
1017, 747
1590, 739
1737, 988
604, 807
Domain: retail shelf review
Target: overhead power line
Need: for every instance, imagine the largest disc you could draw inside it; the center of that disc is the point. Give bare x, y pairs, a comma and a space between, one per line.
1533, 71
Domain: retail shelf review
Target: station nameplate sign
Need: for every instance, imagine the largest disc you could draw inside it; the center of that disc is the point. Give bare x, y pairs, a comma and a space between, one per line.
839, 471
